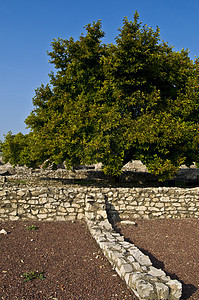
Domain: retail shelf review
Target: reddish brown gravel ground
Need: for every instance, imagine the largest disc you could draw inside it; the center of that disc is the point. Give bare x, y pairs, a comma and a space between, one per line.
172, 245
75, 268
73, 265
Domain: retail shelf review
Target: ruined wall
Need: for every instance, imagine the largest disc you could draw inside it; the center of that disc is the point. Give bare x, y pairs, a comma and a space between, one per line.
67, 202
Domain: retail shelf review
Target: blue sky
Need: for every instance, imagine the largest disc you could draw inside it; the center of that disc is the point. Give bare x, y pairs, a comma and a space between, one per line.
27, 29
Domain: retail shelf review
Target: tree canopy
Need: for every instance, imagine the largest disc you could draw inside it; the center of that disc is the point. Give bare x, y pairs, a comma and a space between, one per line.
111, 103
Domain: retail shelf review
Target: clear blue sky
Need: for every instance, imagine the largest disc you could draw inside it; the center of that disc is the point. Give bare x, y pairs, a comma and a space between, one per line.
27, 29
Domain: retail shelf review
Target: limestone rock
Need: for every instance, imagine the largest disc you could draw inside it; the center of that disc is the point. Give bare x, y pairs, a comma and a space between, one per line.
3, 231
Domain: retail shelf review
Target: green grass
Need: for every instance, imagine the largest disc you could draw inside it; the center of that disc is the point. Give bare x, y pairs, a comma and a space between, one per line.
18, 181
29, 276
32, 227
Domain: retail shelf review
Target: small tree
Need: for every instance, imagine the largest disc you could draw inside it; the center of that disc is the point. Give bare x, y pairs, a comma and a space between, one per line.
20, 149
12, 147
111, 103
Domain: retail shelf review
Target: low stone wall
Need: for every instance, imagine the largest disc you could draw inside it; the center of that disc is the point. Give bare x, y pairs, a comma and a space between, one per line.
68, 202
41, 203
152, 203
135, 268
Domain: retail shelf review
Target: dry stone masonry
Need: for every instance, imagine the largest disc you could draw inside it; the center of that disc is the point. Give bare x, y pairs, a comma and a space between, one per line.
68, 202
41, 203
146, 281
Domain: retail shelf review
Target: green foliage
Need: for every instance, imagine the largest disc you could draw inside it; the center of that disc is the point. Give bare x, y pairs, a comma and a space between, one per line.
111, 103
13, 147
29, 276
22, 149
32, 227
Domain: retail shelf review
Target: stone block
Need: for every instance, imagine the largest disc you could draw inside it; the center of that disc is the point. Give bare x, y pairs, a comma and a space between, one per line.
136, 266
162, 291
176, 204
176, 289
120, 238
14, 218
118, 259
125, 268
13, 213
159, 205
122, 206
75, 205
61, 209
42, 216
50, 199
142, 288
106, 246
71, 217
130, 198
35, 193
42, 200
43, 211
20, 193
125, 244
145, 290
156, 272
102, 213
80, 216
3, 193
142, 259
43, 195
141, 208
127, 278
34, 211
21, 210
106, 225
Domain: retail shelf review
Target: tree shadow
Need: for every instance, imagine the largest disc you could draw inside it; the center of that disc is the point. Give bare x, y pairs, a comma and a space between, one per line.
126, 179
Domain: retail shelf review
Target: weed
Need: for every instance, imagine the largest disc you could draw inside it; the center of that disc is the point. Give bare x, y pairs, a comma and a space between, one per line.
29, 276
17, 181
32, 227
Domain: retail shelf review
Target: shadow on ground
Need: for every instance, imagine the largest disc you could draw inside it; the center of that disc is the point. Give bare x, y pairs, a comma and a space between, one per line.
127, 179
187, 289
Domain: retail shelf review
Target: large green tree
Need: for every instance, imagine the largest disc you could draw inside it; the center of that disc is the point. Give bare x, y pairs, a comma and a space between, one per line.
111, 103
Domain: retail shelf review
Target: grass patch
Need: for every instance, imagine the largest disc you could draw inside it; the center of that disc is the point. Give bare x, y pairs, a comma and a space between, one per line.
32, 227
17, 181
29, 276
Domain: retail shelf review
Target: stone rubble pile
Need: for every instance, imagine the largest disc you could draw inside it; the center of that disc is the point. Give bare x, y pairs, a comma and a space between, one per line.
146, 281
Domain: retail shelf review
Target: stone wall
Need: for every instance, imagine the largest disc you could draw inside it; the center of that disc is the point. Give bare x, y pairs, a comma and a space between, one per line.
67, 202
153, 203
135, 268
41, 203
